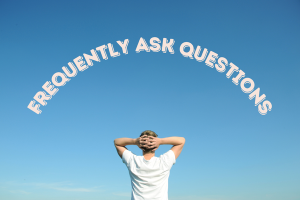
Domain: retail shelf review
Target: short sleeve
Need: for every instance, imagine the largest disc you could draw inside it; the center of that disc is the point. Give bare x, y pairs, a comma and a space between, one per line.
169, 158
126, 157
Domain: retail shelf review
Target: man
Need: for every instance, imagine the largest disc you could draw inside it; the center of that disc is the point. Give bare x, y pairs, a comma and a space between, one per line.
149, 174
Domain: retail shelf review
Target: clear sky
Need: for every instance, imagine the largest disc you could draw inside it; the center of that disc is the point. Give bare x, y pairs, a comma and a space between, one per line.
232, 152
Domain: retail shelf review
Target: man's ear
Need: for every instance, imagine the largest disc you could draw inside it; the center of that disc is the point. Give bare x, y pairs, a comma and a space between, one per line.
143, 148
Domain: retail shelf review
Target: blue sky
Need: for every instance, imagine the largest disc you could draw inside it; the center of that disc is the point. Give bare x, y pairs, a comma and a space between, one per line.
232, 152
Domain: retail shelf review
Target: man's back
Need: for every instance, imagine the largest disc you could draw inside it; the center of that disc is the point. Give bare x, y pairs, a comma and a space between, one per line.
149, 178
149, 174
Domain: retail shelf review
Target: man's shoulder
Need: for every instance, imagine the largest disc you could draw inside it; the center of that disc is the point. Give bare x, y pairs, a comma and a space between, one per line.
168, 153
126, 156
128, 152
168, 157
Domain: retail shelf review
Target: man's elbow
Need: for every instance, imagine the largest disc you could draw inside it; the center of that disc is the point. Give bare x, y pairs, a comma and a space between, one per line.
115, 142
183, 140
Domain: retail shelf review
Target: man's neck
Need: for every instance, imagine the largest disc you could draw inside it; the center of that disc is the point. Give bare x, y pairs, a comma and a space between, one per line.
148, 156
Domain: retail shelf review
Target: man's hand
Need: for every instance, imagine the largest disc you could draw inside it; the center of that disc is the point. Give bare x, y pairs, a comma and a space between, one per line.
153, 142
142, 142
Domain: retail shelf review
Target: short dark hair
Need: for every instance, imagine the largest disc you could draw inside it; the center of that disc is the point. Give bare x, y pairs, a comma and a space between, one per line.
149, 133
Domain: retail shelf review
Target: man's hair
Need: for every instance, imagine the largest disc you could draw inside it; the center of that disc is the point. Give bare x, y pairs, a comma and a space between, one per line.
148, 133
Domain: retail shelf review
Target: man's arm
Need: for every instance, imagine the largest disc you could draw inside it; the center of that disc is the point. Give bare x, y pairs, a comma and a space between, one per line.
177, 142
120, 143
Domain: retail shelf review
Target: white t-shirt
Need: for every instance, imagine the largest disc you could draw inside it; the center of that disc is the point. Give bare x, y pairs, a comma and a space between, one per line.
149, 178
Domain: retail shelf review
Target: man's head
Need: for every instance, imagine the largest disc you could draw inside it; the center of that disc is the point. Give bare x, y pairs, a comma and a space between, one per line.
148, 133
